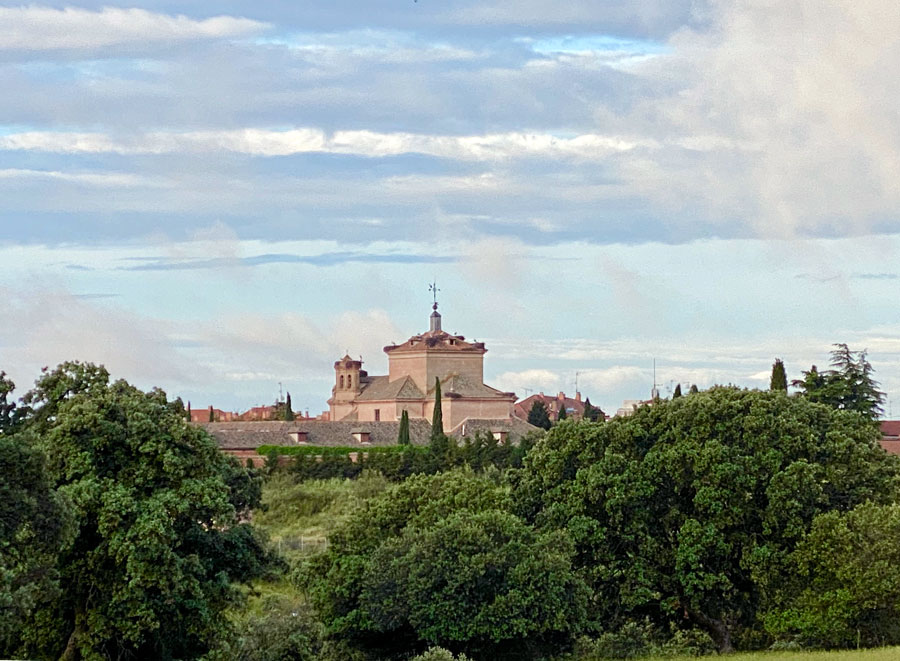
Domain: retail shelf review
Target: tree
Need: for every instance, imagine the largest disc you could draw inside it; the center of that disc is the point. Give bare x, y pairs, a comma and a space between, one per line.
677, 393
688, 511
694, 389
188, 415
212, 416
288, 411
437, 418
7, 407
591, 412
156, 508
849, 385
34, 524
562, 414
845, 590
538, 415
440, 560
779, 377
403, 431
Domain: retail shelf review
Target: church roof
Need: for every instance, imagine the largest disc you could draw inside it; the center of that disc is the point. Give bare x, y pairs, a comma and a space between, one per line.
379, 387
437, 340
456, 385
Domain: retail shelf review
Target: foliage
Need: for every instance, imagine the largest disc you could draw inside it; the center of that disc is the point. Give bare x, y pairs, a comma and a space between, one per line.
441, 560
439, 654
638, 639
9, 414
156, 507
849, 385
538, 415
403, 431
677, 393
187, 415
779, 376
847, 587
280, 627
562, 414
212, 415
34, 523
689, 510
694, 389
288, 411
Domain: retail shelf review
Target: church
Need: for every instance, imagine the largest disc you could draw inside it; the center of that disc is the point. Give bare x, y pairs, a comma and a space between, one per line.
414, 367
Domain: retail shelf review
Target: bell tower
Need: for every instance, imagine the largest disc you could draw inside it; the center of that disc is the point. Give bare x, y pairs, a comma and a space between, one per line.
347, 373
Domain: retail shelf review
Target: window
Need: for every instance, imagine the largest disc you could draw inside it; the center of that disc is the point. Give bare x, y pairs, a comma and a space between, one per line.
349, 380
342, 380
377, 415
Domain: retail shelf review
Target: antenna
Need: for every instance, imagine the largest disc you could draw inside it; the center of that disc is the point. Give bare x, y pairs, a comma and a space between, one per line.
280, 394
576, 381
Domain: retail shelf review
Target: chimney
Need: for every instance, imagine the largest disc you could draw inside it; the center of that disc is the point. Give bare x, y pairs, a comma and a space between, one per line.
561, 396
577, 396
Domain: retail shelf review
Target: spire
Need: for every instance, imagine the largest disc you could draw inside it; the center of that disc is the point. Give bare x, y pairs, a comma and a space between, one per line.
435, 324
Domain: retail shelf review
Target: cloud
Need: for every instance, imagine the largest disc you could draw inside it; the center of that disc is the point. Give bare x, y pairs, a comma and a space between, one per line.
265, 142
43, 29
93, 179
792, 120
327, 259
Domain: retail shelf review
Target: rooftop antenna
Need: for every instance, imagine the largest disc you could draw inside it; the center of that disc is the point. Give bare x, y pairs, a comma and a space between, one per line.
435, 321
576, 381
654, 392
280, 393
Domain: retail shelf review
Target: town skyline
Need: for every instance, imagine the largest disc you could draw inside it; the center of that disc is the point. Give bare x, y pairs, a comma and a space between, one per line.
219, 200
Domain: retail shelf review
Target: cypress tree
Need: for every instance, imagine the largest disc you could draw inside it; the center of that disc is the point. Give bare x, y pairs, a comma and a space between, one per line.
693, 389
437, 419
779, 377
677, 392
403, 432
288, 411
212, 417
189, 411
561, 414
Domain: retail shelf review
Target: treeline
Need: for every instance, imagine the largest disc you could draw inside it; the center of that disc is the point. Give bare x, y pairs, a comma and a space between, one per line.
397, 462
727, 519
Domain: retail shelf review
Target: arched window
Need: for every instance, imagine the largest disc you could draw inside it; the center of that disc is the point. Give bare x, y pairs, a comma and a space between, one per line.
349, 380
342, 380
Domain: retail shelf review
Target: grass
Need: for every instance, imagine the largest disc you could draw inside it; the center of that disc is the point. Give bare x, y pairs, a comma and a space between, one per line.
299, 517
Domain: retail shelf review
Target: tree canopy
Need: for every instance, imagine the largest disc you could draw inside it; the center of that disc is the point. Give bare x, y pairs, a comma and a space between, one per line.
538, 415
157, 541
778, 381
688, 510
848, 385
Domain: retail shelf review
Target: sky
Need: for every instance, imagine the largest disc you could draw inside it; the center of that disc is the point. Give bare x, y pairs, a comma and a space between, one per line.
221, 199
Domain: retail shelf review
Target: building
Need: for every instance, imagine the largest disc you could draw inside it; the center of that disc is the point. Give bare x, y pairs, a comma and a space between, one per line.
574, 406
890, 436
413, 369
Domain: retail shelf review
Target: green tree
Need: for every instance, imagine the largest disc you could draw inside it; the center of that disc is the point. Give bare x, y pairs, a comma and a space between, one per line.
439, 445
538, 415
849, 385
440, 560
403, 431
694, 389
845, 585
688, 511
33, 526
7, 405
188, 414
591, 412
288, 411
677, 393
437, 417
779, 377
562, 414
212, 416
156, 507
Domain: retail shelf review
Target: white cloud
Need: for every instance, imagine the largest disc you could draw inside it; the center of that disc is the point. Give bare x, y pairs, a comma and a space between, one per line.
95, 179
42, 28
786, 113
264, 142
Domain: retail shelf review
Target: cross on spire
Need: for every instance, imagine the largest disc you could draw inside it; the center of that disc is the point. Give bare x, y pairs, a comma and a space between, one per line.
433, 288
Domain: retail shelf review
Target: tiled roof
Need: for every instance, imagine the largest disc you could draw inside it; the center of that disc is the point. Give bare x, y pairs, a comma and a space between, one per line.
456, 385
515, 427
250, 435
890, 428
436, 341
381, 388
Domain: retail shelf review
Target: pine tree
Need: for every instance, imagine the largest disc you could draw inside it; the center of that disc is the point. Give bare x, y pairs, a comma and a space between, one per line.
189, 411
677, 392
779, 377
403, 432
288, 411
561, 414
694, 389
538, 415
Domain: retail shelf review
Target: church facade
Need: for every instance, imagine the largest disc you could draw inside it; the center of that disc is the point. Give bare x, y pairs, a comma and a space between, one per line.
414, 368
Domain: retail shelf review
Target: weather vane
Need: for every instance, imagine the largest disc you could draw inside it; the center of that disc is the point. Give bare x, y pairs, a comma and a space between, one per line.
433, 288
